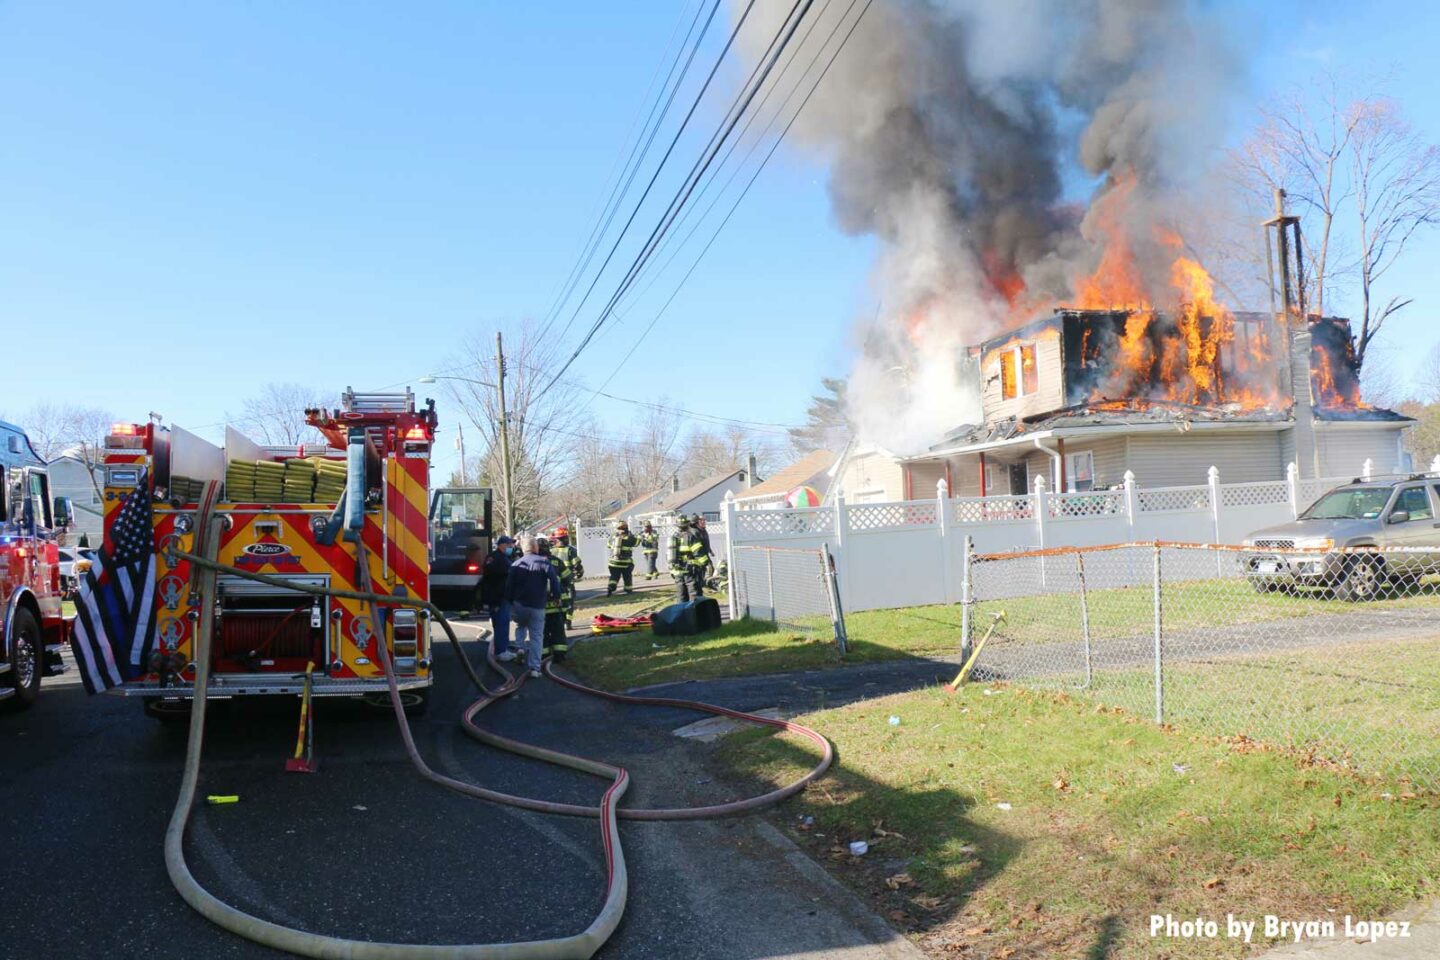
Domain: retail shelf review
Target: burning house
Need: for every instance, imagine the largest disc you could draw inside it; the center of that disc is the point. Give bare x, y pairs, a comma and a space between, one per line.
1083, 395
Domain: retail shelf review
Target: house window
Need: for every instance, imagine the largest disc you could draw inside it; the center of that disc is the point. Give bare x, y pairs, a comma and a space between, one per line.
1080, 471
1019, 376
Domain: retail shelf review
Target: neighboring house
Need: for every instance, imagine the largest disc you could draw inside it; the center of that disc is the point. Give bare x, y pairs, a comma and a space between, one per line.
643, 504
69, 477
812, 470
704, 498
1068, 398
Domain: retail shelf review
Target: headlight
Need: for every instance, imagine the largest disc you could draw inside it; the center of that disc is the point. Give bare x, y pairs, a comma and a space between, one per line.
1315, 543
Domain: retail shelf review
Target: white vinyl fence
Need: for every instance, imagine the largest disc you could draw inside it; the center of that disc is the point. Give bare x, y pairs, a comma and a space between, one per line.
910, 552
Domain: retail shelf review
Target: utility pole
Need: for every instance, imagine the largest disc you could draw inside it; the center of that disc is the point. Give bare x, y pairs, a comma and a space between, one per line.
504, 436
460, 445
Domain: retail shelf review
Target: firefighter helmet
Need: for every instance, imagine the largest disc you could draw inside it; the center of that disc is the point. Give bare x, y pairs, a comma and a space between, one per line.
560, 533
682, 521
622, 525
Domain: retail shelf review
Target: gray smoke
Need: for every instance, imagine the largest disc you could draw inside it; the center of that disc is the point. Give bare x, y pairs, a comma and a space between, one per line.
949, 127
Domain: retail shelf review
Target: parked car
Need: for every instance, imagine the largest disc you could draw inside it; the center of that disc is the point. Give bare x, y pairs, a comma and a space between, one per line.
1336, 543
74, 561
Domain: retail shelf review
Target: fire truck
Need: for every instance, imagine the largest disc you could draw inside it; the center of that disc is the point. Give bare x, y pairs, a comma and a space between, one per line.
34, 628
299, 514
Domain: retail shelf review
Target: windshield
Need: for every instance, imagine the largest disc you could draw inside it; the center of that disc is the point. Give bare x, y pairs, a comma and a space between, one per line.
1361, 504
460, 522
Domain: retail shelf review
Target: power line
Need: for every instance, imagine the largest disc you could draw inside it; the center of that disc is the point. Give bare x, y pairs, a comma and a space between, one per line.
667, 219
661, 166
632, 163
746, 189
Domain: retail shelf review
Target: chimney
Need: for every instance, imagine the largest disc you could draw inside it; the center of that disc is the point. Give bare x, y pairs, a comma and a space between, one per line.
675, 483
750, 479
1306, 454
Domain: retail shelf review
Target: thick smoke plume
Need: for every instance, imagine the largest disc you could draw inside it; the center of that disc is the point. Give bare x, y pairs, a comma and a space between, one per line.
951, 129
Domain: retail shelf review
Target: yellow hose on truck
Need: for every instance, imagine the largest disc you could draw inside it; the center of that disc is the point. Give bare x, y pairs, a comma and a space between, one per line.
577, 947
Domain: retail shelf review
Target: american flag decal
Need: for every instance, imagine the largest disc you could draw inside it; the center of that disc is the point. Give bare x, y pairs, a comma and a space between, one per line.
115, 608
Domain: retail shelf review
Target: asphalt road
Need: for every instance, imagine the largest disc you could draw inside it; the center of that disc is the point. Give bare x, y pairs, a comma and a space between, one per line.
366, 849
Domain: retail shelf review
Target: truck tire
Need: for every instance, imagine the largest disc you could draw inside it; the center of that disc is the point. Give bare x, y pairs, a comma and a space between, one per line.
1361, 579
25, 660
167, 711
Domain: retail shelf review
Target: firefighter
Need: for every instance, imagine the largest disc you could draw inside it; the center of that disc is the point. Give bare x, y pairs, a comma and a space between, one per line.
622, 558
556, 642
688, 559
572, 570
650, 546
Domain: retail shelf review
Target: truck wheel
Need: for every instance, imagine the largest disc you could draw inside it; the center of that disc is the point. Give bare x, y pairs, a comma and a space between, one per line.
1361, 579
167, 711
416, 702
25, 647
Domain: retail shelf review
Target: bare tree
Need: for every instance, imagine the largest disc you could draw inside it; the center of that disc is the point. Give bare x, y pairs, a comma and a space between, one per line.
55, 428
1395, 179
277, 415
708, 453
542, 421
1300, 148
827, 426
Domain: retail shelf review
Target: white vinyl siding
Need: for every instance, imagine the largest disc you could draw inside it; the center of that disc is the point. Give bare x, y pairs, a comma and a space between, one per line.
874, 475
1344, 450
1183, 459
1051, 387
923, 478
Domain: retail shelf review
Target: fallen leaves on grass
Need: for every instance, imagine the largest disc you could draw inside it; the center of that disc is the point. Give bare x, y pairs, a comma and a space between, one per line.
1214, 883
899, 880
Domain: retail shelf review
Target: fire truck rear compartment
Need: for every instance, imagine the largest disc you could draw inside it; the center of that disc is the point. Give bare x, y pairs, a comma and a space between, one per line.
262, 628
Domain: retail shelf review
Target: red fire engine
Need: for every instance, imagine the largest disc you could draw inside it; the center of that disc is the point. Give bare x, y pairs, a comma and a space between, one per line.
33, 629
299, 514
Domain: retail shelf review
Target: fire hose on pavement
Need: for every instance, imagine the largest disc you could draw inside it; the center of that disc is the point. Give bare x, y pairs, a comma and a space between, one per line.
576, 947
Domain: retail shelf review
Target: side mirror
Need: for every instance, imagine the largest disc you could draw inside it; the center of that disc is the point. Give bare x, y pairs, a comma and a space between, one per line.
63, 512
1399, 516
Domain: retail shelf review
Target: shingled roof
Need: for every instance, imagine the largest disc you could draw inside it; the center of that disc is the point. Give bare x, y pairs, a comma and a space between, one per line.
808, 470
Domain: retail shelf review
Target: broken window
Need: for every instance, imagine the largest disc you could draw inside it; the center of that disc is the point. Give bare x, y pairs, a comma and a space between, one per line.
1080, 471
1019, 376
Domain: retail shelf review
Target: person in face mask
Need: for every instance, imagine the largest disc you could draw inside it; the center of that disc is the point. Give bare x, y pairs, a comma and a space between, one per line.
493, 575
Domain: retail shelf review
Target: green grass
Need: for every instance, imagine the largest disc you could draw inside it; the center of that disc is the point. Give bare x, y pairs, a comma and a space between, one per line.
754, 647
931, 631
1103, 828
1373, 706
1187, 605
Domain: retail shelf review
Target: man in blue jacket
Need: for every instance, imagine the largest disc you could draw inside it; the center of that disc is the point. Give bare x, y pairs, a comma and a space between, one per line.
532, 582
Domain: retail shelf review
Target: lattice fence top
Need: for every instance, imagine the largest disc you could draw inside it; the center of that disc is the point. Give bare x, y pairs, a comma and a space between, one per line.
595, 533
808, 521
986, 509
1310, 490
1254, 494
884, 516
1094, 503
1173, 498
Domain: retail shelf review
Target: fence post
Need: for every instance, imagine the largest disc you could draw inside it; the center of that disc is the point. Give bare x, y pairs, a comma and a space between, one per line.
967, 597
1041, 499
942, 518
1212, 477
832, 591
1435, 464
1367, 469
1292, 480
1159, 648
1084, 613
770, 584
730, 525
1131, 502
842, 552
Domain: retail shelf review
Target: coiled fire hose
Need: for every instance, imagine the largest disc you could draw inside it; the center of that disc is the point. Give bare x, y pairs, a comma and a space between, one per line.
577, 947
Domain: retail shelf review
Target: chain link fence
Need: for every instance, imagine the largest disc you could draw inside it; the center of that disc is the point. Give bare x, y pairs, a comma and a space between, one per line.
1333, 655
794, 588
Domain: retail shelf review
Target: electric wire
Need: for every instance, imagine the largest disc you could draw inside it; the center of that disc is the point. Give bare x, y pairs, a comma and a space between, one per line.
623, 182
786, 33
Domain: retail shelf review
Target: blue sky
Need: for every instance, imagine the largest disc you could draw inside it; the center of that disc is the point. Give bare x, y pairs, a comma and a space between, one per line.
196, 199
